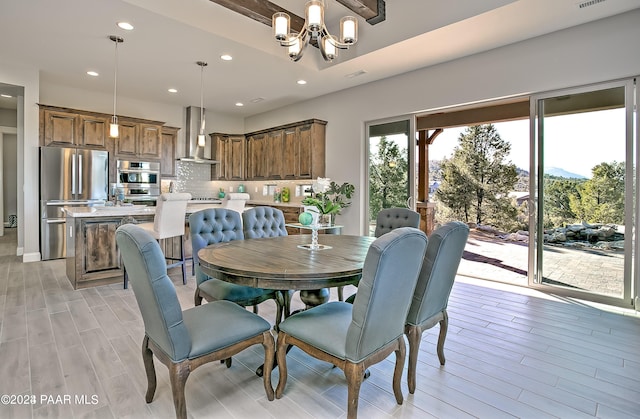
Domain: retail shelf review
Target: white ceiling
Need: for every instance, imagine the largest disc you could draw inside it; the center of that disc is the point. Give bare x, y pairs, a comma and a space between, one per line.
66, 38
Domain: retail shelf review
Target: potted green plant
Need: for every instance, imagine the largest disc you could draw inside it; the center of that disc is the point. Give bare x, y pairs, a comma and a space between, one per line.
329, 198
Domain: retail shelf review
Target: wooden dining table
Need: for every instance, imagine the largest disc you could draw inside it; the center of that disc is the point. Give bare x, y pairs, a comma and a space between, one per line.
284, 263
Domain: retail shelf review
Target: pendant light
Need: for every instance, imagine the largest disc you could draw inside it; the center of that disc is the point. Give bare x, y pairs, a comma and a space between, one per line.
113, 127
201, 137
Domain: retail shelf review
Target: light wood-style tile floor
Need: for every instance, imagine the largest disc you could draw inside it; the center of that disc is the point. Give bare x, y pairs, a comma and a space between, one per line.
510, 352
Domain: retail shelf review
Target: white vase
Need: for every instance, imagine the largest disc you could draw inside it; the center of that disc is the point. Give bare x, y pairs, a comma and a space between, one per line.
313, 210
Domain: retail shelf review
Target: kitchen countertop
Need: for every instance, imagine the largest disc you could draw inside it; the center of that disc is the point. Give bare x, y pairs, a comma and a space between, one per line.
268, 203
124, 211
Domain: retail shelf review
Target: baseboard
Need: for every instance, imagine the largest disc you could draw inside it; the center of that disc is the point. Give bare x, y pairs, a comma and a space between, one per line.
29, 257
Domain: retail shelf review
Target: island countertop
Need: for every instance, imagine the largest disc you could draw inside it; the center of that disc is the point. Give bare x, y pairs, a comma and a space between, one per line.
124, 211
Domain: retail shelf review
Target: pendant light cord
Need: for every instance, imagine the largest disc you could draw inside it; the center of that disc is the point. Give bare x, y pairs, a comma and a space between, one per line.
202, 65
115, 79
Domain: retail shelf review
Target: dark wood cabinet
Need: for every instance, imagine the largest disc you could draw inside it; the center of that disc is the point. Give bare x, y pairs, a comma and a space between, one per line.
149, 142
93, 257
275, 154
257, 156
293, 151
100, 250
138, 140
290, 160
127, 138
59, 128
229, 150
94, 131
168, 152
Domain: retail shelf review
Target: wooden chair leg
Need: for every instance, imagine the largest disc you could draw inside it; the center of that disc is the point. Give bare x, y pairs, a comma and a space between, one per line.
354, 374
269, 345
401, 352
178, 374
281, 354
444, 325
184, 265
413, 336
197, 298
340, 293
126, 278
147, 358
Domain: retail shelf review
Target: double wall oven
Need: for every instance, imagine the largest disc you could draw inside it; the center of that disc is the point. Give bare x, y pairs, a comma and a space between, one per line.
139, 181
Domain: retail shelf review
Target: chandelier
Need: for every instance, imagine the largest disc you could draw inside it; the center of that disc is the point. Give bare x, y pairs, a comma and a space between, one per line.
314, 31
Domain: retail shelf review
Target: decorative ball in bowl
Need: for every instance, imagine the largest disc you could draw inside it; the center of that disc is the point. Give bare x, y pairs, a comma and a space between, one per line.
305, 218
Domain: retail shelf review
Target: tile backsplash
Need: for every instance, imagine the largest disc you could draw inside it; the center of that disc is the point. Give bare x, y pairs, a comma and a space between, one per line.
195, 179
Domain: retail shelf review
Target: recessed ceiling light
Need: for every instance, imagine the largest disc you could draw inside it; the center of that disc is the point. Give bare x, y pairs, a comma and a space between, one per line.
3, 95
125, 25
301, 82
173, 90
239, 104
256, 100
226, 57
93, 73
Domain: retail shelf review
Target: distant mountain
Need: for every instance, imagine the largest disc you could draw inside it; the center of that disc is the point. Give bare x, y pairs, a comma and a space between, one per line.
556, 171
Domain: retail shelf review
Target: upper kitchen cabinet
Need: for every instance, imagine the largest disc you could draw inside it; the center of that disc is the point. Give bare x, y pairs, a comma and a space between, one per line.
168, 151
139, 139
68, 128
257, 157
229, 151
293, 151
94, 131
310, 150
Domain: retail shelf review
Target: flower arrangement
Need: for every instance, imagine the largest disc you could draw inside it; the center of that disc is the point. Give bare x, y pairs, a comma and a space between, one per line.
329, 197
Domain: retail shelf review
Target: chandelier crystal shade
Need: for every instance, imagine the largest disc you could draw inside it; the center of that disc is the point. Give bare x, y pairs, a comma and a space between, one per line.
314, 31
113, 126
201, 136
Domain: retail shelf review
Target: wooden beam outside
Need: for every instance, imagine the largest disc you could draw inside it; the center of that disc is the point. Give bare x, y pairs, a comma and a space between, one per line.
261, 11
373, 11
475, 116
424, 141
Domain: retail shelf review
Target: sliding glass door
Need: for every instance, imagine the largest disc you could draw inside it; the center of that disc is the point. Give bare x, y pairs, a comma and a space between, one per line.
583, 172
390, 176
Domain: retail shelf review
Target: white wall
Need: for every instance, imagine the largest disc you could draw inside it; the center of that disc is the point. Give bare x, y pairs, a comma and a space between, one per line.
599, 51
27, 124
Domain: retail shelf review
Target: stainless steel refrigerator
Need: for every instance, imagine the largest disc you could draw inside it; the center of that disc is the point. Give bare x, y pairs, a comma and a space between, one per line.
68, 177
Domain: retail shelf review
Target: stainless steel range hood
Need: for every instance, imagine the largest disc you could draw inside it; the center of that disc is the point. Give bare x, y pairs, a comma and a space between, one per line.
195, 153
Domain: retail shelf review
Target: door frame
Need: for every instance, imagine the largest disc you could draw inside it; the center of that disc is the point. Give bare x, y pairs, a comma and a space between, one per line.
411, 156
632, 155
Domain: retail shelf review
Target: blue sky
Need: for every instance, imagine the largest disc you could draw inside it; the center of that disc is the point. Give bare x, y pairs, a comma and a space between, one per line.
574, 142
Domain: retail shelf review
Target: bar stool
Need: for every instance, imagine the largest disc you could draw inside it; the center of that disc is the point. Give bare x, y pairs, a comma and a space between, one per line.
168, 222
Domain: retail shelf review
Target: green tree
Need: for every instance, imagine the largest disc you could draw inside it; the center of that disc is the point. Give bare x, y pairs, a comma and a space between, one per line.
388, 179
601, 198
478, 178
558, 194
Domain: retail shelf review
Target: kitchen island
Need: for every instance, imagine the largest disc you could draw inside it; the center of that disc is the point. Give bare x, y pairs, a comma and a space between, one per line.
92, 255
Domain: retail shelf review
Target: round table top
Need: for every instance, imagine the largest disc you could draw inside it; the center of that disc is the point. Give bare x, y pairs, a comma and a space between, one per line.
279, 262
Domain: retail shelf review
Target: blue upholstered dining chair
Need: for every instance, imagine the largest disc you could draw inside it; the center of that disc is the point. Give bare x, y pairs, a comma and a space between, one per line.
431, 296
391, 218
184, 340
259, 222
355, 336
218, 225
